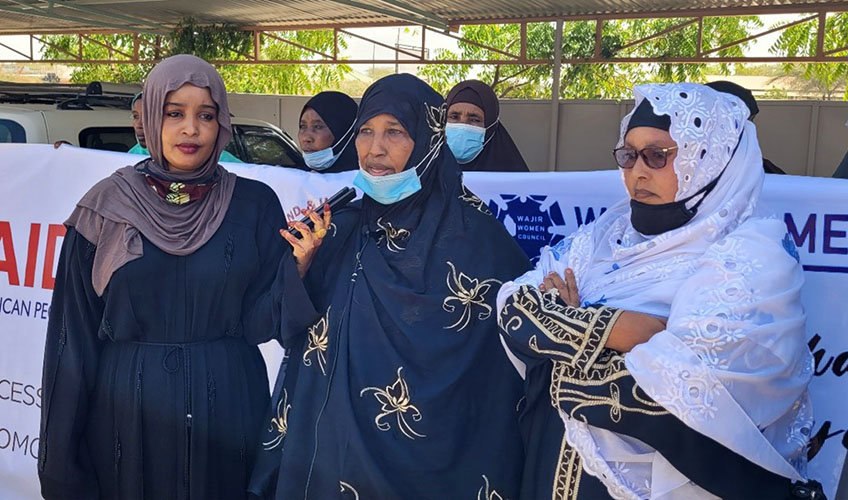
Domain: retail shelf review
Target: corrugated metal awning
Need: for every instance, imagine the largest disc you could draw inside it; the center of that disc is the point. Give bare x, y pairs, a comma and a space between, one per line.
32, 16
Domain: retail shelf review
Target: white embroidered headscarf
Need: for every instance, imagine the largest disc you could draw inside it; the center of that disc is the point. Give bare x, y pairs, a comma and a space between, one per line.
733, 362
706, 125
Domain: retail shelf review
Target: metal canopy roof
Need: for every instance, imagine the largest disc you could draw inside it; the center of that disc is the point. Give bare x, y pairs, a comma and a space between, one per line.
40, 16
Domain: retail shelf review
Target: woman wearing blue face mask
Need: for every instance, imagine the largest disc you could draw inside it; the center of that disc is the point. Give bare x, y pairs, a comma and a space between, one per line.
475, 134
400, 389
325, 133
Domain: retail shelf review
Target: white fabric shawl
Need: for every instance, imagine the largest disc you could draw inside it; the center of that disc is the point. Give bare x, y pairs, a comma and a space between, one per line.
733, 363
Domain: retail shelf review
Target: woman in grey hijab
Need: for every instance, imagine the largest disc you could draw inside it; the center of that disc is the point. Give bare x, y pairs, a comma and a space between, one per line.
171, 271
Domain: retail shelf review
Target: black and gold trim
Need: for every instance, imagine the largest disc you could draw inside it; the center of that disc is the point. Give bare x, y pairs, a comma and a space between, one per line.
606, 384
569, 471
574, 336
591, 384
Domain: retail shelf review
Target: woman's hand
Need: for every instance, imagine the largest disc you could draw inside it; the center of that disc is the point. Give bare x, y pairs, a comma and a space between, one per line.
631, 329
566, 289
304, 248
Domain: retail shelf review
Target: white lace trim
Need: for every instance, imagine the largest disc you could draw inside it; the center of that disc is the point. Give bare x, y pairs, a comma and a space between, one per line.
580, 438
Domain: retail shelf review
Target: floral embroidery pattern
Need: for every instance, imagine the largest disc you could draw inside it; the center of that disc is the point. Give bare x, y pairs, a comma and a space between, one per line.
472, 199
470, 293
485, 493
346, 487
436, 118
318, 343
394, 237
708, 128
395, 400
280, 423
579, 452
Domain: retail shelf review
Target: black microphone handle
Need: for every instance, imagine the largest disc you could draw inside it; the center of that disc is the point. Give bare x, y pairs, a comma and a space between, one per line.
343, 196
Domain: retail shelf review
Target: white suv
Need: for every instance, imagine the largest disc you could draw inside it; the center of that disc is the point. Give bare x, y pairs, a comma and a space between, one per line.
97, 116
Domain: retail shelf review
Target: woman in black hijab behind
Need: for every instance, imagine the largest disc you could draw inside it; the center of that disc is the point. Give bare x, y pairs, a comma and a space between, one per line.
325, 133
401, 388
474, 131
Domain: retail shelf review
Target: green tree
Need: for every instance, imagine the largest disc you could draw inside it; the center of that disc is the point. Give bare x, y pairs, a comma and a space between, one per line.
215, 42
97, 48
588, 81
827, 80
717, 31
211, 41
289, 78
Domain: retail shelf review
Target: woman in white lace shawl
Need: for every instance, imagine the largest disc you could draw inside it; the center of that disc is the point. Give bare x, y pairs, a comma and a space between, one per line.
673, 352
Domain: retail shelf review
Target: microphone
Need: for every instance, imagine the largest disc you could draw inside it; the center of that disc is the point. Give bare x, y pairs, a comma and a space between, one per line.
338, 200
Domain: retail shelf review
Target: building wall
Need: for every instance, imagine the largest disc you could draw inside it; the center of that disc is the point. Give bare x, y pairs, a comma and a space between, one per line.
801, 137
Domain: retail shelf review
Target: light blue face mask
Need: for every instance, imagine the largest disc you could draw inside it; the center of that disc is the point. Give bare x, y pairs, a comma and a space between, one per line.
465, 141
321, 160
324, 159
388, 189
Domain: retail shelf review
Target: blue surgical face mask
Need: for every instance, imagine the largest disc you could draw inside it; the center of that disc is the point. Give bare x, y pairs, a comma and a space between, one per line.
465, 141
325, 158
392, 188
321, 160
388, 189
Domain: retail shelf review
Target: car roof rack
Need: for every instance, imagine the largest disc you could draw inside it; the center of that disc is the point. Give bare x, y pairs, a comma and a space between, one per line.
70, 96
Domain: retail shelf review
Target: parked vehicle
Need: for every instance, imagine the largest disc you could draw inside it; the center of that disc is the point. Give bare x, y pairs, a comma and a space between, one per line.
97, 116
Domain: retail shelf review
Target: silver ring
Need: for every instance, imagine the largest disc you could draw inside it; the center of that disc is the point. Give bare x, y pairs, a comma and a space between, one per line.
553, 293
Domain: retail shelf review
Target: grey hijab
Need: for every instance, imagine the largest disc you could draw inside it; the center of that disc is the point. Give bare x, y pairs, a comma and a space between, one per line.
118, 210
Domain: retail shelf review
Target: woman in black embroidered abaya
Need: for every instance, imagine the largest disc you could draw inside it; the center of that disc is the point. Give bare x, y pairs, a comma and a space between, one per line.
168, 277
400, 390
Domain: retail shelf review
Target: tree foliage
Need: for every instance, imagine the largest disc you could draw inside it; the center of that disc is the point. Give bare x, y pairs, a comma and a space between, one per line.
613, 80
827, 80
289, 78
717, 31
97, 48
210, 42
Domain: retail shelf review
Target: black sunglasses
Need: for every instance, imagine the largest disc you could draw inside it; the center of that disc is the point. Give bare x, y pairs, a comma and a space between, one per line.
653, 156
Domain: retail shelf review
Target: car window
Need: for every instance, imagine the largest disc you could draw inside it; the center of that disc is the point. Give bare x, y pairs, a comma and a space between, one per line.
11, 131
119, 139
265, 146
232, 148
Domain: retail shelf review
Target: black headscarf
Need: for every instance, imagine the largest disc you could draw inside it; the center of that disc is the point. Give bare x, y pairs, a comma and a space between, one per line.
411, 395
644, 116
500, 154
338, 111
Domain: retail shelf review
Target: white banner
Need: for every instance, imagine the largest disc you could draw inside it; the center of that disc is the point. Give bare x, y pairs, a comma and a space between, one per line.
40, 186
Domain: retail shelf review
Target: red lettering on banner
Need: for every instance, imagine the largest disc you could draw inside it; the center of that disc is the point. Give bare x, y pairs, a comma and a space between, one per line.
54, 232
9, 265
9, 262
32, 252
298, 212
